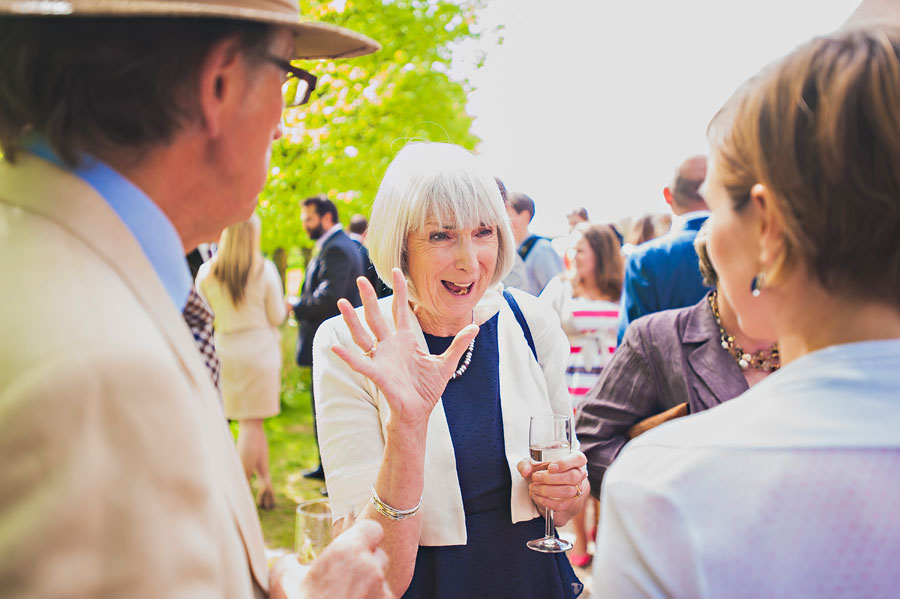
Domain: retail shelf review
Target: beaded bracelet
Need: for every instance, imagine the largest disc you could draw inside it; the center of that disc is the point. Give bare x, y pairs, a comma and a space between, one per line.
393, 513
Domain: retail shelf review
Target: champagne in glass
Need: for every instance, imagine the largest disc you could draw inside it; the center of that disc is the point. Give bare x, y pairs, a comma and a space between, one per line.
312, 532
549, 439
549, 452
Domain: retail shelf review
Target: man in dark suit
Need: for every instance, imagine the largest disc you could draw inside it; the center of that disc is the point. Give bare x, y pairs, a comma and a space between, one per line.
357, 232
330, 275
664, 273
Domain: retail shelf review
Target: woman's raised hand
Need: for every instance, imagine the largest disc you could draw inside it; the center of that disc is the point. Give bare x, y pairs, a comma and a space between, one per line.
411, 379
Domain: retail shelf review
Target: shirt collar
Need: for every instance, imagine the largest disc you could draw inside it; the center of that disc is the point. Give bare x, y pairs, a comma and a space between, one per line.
680, 220
334, 229
147, 223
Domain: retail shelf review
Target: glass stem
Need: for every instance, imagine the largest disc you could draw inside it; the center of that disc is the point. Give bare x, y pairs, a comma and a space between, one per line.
548, 530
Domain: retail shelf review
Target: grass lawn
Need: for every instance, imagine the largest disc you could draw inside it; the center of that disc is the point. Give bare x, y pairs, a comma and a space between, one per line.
292, 448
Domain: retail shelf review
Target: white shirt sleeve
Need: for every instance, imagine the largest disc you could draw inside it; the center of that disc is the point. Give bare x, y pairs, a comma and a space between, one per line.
276, 310
644, 543
554, 294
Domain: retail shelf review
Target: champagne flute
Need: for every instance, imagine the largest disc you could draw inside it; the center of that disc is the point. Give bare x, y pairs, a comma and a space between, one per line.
312, 532
549, 439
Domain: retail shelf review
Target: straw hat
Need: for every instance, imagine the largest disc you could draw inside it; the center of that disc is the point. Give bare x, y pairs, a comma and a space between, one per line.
312, 39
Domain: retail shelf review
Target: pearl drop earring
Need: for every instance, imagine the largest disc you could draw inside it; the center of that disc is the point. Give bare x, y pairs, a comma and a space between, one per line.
756, 284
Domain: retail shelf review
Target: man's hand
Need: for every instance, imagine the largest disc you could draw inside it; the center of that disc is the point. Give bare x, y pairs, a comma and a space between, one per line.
351, 567
653, 421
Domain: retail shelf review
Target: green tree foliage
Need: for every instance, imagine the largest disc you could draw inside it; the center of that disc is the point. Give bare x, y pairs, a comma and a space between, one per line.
366, 109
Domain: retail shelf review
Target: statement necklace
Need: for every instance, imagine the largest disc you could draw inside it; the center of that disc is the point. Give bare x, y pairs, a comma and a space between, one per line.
467, 357
766, 360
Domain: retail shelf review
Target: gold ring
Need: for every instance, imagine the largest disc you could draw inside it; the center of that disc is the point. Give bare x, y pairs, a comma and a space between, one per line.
371, 352
577, 491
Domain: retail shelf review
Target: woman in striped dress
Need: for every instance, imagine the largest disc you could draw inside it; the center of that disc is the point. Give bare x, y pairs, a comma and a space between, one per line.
587, 301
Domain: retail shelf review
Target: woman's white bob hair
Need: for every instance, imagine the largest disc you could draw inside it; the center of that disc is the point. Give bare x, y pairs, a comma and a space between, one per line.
439, 181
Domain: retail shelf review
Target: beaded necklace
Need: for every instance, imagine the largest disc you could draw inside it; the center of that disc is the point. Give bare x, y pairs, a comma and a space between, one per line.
766, 360
467, 359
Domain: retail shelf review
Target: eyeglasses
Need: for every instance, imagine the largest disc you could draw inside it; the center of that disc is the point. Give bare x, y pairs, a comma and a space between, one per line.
298, 84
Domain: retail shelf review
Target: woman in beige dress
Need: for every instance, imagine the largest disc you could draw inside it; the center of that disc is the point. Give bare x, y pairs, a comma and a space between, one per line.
245, 294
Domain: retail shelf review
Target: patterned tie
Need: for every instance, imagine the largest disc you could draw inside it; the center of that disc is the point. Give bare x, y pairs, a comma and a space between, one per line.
199, 318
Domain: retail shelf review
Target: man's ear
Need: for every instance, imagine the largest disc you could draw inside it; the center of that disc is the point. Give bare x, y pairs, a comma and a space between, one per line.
770, 224
220, 75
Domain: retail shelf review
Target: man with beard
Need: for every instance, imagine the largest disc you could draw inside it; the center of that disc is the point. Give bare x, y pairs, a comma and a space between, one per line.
330, 275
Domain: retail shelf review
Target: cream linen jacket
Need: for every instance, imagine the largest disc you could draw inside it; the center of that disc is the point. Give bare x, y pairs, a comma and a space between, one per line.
352, 414
118, 475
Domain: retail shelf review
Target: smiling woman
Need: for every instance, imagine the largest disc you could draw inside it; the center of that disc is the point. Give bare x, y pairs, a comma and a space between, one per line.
437, 186
450, 269
440, 380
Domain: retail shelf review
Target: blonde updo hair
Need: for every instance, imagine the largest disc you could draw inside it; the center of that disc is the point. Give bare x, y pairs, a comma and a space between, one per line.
820, 130
439, 181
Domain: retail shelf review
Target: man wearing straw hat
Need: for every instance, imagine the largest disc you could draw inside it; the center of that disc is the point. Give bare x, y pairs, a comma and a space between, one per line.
133, 130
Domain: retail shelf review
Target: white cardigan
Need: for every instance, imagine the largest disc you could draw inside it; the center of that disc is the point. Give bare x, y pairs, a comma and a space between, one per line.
352, 414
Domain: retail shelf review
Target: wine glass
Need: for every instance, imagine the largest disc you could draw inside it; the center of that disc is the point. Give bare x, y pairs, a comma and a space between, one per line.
549, 439
312, 531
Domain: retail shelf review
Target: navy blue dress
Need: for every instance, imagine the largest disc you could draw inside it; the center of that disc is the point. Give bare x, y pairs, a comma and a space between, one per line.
495, 562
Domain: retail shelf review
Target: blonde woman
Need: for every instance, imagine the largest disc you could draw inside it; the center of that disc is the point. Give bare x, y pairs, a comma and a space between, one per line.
245, 294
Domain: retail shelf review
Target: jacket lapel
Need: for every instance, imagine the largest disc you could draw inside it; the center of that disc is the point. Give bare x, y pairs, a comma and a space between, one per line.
75, 206
719, 374
312, 268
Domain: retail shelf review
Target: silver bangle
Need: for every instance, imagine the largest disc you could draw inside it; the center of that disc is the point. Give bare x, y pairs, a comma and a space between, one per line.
390, 512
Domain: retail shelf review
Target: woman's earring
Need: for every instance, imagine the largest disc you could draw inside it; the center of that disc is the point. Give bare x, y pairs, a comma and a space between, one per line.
756, 284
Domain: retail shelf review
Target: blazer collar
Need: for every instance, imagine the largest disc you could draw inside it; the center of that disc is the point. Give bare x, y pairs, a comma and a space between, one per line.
696, 221
331, 237
710, 362
67, 200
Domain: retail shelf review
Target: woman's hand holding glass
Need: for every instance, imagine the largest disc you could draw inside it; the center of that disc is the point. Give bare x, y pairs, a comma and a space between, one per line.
557, 485
411, 379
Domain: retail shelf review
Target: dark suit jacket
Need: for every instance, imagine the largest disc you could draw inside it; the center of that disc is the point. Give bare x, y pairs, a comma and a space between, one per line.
381, 290
662, 274
666, 358
330, 276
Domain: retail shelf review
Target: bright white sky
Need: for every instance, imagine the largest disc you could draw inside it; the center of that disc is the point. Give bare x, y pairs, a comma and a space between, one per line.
594, 103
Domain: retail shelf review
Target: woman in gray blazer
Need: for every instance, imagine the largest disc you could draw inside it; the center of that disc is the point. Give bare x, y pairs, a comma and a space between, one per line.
670, 364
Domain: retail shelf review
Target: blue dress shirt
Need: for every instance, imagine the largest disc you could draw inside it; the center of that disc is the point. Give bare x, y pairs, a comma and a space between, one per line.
149, 225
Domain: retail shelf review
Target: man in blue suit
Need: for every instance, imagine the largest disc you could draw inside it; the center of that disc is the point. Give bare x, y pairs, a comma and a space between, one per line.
664, 273
330, 275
